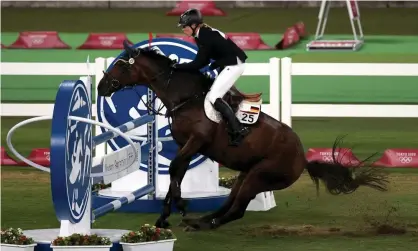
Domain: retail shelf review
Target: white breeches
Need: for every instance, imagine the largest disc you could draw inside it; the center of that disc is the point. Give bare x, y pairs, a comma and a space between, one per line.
225, 80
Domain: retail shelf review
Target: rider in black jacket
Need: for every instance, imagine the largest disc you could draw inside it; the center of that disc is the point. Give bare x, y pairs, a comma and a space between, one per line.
228, 57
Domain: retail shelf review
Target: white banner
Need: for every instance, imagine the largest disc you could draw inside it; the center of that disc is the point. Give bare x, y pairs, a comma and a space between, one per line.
122, 159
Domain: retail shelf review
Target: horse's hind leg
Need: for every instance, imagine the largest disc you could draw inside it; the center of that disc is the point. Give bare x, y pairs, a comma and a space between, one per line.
265, 176
251, 186
260, 178
223, 209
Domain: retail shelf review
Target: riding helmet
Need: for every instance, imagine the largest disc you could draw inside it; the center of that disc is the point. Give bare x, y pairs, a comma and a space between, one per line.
189, 17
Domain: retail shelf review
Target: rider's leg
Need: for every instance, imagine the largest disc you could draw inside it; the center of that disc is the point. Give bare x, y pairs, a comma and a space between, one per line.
222, 84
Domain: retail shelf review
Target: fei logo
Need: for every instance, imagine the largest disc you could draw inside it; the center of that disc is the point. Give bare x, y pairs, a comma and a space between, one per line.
71, 152
126, 105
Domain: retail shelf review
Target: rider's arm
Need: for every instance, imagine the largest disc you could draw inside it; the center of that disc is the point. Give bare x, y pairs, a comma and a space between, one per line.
201, 60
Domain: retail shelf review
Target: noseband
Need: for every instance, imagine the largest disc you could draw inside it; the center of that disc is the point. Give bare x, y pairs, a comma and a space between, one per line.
114, 82
116, 85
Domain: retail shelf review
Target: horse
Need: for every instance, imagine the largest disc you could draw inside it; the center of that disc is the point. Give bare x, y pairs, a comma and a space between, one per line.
271, 157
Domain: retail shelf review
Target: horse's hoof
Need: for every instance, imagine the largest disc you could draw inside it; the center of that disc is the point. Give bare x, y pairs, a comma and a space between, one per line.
166, 224
162, 223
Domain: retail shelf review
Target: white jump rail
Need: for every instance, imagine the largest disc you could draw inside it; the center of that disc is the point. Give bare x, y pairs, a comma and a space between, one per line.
270, 69
289, 110
46, 69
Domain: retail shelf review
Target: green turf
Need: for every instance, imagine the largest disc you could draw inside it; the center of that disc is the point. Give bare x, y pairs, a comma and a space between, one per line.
26, 203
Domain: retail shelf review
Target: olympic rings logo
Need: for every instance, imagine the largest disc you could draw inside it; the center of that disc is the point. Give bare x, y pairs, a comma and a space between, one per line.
327, 158
47, 155
37, 40
107, 41
405, 160
241, 41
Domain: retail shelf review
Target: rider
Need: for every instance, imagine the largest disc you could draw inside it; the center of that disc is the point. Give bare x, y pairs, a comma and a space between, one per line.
213, 44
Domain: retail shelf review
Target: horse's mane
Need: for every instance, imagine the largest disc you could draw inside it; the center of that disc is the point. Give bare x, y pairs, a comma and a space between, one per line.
148, 52
157, 56
165, 62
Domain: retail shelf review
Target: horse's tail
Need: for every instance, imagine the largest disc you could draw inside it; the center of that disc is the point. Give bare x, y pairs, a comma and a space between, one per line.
339, 178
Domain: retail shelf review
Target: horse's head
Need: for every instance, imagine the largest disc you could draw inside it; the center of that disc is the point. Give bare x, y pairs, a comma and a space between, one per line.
137, 66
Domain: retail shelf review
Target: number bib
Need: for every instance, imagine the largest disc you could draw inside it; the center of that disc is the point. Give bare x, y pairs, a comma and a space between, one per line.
248, 112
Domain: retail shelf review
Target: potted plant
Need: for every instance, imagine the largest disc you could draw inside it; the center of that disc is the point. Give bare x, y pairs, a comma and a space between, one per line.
13, 239
148, 238
82, 242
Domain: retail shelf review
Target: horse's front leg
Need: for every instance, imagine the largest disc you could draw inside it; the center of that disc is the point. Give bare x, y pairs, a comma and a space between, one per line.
177, 170
162, 220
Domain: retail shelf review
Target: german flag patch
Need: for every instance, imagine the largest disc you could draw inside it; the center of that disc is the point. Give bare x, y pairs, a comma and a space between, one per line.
254, 109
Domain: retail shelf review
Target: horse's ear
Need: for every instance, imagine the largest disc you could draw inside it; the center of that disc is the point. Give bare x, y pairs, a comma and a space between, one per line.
128, 48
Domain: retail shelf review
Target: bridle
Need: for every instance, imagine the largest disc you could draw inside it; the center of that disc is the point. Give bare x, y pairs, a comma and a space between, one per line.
116, 85
156, 77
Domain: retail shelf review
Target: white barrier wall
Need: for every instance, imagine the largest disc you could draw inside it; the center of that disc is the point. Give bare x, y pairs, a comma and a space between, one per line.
285, 68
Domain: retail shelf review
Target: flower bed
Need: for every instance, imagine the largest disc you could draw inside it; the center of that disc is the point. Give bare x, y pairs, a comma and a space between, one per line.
227, 182
148, 238
14, 239
80, 242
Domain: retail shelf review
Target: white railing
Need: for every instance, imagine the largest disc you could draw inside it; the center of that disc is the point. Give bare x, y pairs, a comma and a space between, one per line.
47, 69
280, 72
95, 69
289, 110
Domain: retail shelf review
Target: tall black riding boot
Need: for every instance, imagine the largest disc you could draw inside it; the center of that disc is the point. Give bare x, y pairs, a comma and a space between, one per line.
238, 130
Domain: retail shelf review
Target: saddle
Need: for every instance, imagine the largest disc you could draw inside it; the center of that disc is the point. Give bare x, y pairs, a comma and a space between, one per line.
234, 97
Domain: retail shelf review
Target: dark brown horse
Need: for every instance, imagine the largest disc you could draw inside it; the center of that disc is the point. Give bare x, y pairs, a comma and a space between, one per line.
270, 158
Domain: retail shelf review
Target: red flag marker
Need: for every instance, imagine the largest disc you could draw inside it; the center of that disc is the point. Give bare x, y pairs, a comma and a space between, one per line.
149, 39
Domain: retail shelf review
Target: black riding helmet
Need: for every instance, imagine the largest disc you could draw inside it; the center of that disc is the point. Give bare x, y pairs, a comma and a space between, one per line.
189, 17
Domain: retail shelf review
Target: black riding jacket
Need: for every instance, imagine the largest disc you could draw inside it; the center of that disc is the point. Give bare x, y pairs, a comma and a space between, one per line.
213, 45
